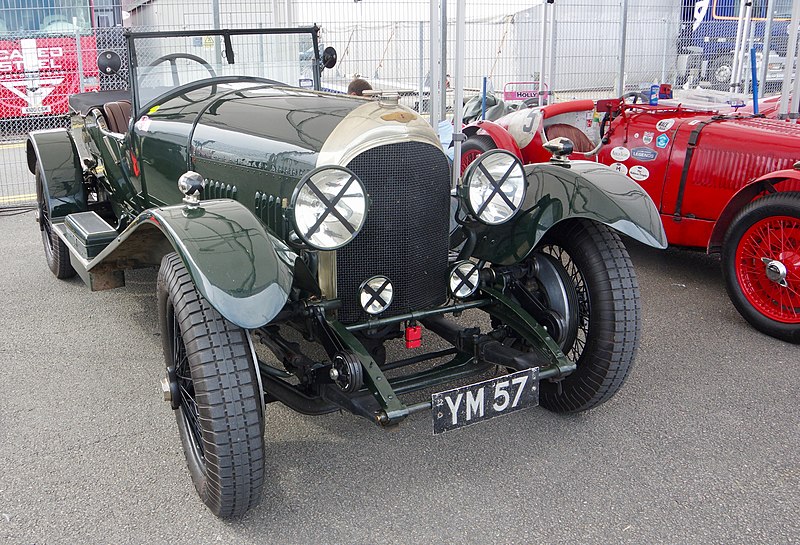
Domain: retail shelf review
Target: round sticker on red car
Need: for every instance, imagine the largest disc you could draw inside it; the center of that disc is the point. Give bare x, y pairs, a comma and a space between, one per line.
620, 154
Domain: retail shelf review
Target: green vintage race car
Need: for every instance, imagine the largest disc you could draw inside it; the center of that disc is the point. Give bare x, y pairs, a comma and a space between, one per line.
320, 227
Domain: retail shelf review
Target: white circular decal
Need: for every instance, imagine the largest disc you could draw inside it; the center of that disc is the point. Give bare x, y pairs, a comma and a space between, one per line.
620, 154
619, 167
665, 124
639, 173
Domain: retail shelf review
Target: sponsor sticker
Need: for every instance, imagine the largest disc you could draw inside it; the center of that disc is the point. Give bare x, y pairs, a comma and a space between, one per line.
619, 167
662, 141
639, 173
643, 154
664, 125
620, 153
648, 137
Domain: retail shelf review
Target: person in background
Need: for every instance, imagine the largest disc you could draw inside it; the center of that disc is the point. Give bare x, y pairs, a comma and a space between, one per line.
358, 86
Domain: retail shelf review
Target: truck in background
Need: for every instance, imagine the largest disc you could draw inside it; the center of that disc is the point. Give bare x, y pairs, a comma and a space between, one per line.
707, 40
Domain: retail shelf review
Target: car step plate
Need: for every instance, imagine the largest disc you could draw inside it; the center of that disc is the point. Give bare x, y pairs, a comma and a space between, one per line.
481, 401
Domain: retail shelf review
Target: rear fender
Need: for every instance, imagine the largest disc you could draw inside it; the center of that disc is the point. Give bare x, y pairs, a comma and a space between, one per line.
61, 172
241, 270
586, 190
774, 181
501, 137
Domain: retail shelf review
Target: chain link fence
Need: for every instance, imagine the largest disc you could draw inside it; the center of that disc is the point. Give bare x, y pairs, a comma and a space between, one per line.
48, 49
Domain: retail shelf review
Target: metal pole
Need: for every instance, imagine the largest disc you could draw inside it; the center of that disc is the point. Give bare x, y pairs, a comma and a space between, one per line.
746, 37
458, 81
217, 39
791, 54
551, 66
421, 83
443, 76
623, 35
738, 45
433, 86
664, 47
767, 45
79, 53
542, 50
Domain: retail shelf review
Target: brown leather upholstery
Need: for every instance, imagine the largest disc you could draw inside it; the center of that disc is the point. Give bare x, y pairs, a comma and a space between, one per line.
579, 139
118, 114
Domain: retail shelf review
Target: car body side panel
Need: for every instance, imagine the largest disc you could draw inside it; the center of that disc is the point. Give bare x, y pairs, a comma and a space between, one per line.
241, 270
586, 190
62, 175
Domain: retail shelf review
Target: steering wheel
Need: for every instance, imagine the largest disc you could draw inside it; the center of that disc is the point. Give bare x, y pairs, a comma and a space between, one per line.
171, 58
635, 97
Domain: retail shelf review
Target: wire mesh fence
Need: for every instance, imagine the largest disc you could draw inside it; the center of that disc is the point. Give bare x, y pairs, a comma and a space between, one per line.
48, 50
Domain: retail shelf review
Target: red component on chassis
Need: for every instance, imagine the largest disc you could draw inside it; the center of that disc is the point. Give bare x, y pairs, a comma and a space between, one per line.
37, 75
413, 336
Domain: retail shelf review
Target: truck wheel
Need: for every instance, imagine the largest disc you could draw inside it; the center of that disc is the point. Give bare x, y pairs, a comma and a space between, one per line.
761, 265
211, 372
608, 314
474, 147
720, 71
55, 251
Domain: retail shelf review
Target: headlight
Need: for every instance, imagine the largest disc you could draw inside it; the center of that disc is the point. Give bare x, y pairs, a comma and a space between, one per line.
495, 187
330, 206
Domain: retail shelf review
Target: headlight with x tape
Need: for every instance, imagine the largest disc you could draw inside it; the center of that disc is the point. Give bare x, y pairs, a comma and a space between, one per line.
495, 187
330, 207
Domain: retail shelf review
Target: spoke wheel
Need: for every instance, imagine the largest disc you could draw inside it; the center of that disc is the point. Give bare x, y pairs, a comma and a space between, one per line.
604, 301
761, 263
55, 251
219, 411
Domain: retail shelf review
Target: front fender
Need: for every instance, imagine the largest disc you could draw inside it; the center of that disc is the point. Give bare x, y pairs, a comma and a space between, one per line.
501, 137
240, 269
586, 190
60, 169
780, 180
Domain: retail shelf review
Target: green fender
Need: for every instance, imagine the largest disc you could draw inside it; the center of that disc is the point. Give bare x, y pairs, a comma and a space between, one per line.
61, 170
555, 193
241, 270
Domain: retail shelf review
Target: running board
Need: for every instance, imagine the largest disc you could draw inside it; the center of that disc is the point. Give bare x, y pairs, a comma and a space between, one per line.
86, 235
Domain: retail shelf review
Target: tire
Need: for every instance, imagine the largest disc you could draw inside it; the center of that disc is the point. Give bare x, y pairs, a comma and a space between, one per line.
474, 147
219, 410
719, 72
767, 228
609, 310
55, 251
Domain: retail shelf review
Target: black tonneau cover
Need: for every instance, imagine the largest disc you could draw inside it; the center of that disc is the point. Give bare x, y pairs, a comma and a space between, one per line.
83, 102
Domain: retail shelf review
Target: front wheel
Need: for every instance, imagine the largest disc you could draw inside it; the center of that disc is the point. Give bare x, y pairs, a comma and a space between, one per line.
215, 393
761, 265
606, 313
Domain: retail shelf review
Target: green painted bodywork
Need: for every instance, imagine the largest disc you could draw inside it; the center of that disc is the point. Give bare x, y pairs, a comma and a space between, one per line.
241, 270
555, 193
55, 153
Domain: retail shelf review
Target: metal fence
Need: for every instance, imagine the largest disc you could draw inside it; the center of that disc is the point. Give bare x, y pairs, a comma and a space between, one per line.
575, 46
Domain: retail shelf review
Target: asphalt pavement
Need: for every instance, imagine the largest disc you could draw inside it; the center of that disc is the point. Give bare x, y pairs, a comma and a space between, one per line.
701, 445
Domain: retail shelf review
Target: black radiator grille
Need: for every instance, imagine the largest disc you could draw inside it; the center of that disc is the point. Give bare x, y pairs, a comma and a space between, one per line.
405, 236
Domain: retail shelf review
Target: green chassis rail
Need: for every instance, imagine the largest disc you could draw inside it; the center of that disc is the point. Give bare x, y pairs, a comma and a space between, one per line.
386, 392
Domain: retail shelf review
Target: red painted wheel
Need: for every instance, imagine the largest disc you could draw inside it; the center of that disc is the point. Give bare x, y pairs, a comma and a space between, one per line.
473, 148
761, 258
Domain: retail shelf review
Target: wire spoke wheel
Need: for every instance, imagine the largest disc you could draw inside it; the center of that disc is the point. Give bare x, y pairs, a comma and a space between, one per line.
219, 406
761, 264
602, 332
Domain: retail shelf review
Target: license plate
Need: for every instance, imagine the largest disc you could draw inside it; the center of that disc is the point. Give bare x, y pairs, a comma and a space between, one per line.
29, 110
481, 401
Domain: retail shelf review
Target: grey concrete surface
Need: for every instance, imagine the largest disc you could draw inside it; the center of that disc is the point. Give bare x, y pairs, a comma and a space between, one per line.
700, 446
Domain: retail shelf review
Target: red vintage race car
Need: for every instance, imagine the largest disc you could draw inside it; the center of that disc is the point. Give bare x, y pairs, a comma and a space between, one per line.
726, 182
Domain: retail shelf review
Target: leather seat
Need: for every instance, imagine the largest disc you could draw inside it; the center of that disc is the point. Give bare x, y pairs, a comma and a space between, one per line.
579, 139
118, 115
